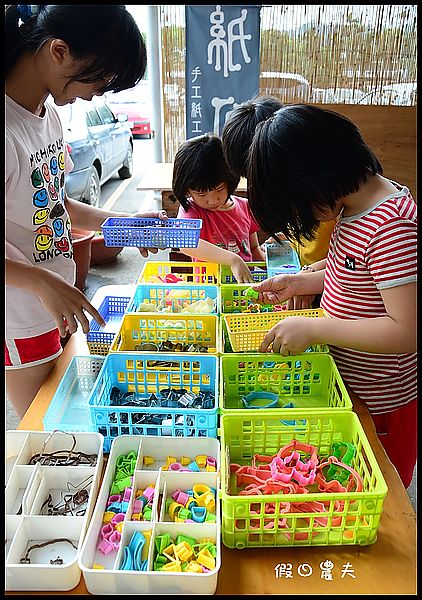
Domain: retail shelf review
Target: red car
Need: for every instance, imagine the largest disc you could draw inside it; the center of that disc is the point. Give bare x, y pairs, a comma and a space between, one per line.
129, 103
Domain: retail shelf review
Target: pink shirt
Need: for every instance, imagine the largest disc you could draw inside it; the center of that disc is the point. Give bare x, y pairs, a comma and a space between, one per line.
228, 229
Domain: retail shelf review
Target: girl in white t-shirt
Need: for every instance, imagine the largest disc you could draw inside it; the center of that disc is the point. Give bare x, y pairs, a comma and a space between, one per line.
67, 52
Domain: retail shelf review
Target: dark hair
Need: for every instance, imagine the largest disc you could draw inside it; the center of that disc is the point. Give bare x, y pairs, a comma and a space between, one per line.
200, 165
304, 158
105, 36
239, 129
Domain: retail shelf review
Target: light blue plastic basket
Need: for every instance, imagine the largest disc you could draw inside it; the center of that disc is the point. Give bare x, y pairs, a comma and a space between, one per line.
149, 374
176, 296
151, 233
281, 258
68, 409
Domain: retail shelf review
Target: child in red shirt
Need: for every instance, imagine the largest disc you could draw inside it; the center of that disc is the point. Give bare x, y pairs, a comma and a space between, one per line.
204, 186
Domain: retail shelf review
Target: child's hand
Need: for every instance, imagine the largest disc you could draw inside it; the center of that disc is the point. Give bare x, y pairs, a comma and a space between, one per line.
64, 302
275, 290
292, 335
151, 214
241, 271
272, 240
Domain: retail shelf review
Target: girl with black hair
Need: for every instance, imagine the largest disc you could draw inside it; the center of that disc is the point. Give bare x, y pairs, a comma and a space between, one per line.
308, 165
68, 52
236, 136
204, 186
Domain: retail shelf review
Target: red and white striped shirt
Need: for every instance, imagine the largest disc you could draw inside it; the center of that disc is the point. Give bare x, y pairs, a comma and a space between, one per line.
368, 252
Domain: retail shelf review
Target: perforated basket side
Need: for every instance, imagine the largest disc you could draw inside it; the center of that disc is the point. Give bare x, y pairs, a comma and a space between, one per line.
112, 309
68, 409
258, 271
174, 298
247, 330
137, 329
310, 381
190, 272
144, 375
151, 233
273, 520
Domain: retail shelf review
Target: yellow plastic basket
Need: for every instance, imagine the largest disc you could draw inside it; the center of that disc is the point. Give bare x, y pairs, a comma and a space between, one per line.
191, 272
247, 330
137, 330
273, 519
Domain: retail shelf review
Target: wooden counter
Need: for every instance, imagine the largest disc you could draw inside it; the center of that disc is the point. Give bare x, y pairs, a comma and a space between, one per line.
386, 567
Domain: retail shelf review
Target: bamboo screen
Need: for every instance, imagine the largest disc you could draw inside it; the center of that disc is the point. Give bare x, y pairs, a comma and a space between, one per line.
328, 54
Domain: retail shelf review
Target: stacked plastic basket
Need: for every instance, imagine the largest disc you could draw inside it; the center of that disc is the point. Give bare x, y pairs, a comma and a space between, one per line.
285, 421
154, 367
184, 361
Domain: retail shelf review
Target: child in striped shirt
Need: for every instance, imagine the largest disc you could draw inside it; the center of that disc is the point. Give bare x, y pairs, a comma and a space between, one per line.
324, 170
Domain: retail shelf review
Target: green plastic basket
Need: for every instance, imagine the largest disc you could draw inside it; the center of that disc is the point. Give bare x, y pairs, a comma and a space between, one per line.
250, 521
258, 271
246, 331
233, 300
309, 381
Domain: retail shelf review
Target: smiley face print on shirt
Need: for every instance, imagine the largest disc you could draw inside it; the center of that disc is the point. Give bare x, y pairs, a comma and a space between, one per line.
51, 233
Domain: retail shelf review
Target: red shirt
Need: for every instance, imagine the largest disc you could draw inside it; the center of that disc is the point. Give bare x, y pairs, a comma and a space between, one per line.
368, 252
228, 229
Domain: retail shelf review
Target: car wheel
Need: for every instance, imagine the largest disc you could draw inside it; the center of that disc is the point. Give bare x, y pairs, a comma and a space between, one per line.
126, 171
94, 188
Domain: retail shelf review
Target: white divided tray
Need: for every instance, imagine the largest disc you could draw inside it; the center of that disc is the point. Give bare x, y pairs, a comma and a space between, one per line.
27, 520
110, 579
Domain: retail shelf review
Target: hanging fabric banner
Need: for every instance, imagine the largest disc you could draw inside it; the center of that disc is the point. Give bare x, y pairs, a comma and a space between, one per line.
222, 63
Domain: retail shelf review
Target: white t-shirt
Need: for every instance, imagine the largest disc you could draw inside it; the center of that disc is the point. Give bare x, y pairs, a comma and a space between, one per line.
37, 223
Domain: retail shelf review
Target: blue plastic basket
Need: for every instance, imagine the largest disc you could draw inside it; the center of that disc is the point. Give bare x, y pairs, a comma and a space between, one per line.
143, 375
175, 298
281, 258
112, 309
151, 233
68, 409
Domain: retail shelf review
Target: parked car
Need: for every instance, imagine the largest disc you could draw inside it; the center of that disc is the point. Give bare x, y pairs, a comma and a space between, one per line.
134, 104
100, 145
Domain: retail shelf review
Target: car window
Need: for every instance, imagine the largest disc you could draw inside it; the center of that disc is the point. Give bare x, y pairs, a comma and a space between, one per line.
92, 117
106, 115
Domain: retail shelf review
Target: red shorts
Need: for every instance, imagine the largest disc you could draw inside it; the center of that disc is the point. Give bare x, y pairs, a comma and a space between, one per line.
29, 352
397, 431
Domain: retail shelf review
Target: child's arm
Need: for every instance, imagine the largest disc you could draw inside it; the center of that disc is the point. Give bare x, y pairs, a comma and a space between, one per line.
257, 253
393, 334
319, 265
210, 253
280, 288
303, 302
61, 300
